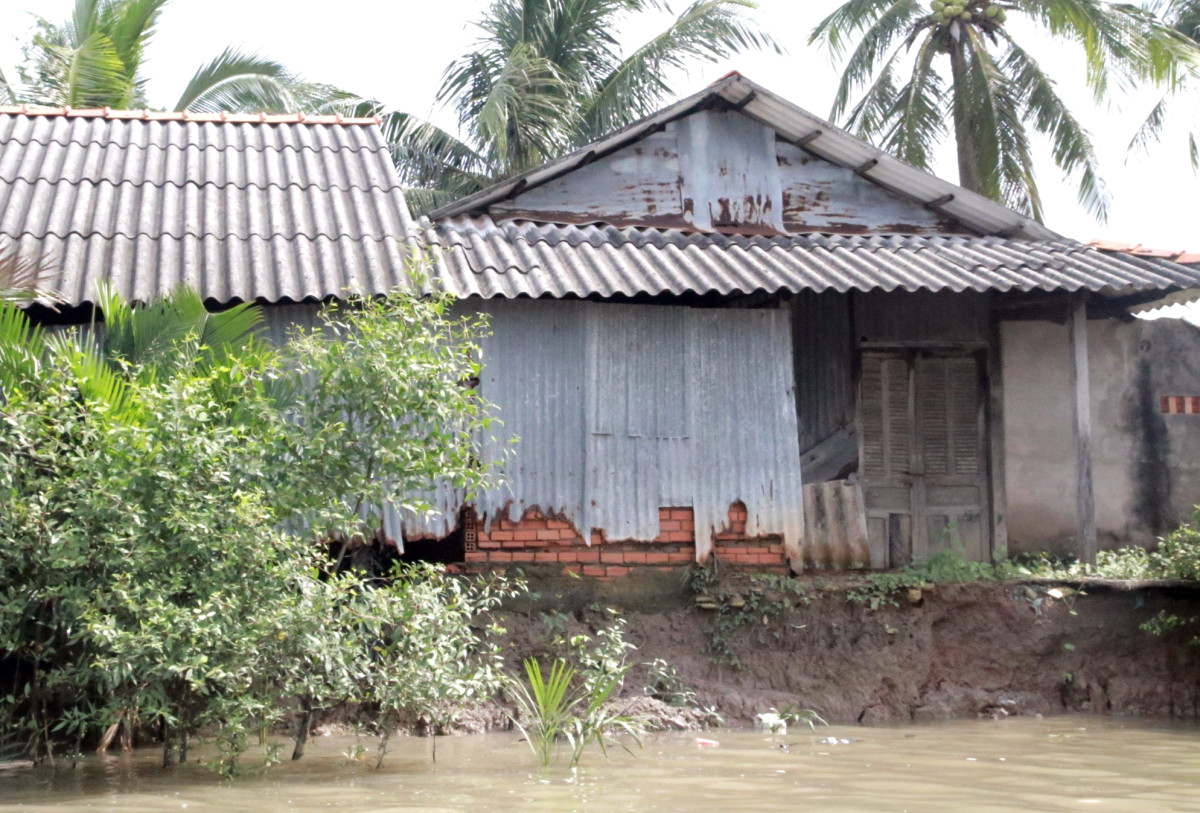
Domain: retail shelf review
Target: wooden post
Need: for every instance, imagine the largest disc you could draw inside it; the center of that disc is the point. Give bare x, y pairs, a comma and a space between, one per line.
1085, 498
995, 434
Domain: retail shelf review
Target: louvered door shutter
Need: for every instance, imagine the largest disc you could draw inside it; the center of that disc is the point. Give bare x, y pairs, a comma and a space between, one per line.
948, 403
886, 416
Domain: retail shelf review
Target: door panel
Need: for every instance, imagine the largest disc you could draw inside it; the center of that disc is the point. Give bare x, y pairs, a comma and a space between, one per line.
923, 454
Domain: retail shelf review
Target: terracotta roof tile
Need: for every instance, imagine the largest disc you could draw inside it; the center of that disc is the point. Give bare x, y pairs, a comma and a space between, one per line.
1139, 250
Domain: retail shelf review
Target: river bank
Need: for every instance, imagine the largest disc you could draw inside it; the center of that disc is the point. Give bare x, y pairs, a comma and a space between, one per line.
943, 651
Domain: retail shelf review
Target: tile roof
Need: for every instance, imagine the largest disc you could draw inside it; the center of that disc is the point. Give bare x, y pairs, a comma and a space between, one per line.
1139, 250
241, 207
479, 256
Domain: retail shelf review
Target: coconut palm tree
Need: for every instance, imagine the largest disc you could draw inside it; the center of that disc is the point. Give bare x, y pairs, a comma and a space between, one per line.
1184, 17
96, 59
922, 73
549, 75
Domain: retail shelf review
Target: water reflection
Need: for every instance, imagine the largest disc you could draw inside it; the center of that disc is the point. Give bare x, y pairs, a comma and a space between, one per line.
1065, 763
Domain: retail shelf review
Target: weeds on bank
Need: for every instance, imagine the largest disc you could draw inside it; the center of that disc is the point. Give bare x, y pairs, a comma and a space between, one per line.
760, 602
1177, 558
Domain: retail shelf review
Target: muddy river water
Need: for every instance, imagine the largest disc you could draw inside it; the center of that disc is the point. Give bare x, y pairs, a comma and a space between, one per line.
1059, 763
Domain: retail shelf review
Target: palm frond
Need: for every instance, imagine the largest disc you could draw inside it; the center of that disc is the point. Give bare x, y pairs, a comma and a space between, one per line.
21, 349
226, 332
427, 156
23, 276
95, 377
1070, 143
1006, 156
238, 82
95, 76
918, 117
843, 26
706, 31
877, 36
7, 94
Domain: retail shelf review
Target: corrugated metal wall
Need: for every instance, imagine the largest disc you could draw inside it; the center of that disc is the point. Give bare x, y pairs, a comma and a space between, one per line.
621, 409
611, 411
824, 358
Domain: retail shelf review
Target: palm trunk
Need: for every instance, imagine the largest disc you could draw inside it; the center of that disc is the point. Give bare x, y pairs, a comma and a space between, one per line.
970, 173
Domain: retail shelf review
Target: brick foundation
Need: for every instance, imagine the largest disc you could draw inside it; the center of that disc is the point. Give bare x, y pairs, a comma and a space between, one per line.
537, 539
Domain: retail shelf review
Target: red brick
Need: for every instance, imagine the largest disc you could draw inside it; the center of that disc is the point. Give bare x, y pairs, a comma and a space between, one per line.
657, 558
533, 524
612, 556
500, 536
618, 571
547, 535
476, 556
522, 556
590, 555
545, 557
678, 536
557, 524
567, 533
636, 558
670, 525
594, 570
500, 556
572, 569
487, 544
685, 514
683, 557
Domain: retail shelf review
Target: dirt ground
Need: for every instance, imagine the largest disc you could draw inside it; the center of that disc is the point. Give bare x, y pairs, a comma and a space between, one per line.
988, 649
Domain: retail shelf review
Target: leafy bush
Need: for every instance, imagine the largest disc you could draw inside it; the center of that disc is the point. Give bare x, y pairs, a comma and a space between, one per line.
148, 575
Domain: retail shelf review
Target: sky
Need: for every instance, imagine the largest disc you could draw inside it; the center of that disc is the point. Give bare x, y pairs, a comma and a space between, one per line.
396, 50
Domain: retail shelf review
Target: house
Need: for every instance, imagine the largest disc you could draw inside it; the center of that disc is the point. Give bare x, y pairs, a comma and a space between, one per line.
728, 329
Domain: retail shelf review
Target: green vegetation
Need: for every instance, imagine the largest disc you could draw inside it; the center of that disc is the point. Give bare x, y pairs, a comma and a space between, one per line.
1177, 557
569, 706
758, 604
549, 76
95, 59
956, 68
574, 703
169, 485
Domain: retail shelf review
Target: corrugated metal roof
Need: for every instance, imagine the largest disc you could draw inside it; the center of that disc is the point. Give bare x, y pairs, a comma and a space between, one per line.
243, 208
795, 125
518, 258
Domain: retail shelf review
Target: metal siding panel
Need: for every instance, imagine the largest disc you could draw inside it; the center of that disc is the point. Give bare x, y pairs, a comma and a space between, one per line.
742, 408
729, 171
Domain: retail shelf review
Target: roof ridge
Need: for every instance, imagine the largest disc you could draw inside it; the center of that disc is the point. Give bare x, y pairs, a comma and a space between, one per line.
396, 186
223, 117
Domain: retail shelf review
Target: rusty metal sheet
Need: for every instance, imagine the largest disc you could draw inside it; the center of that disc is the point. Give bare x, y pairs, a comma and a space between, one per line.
835, 527
728, 172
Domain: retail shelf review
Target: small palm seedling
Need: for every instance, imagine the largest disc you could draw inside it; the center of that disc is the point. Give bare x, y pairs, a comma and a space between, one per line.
559, 707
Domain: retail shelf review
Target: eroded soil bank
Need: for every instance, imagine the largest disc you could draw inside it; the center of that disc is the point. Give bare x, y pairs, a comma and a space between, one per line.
952, 651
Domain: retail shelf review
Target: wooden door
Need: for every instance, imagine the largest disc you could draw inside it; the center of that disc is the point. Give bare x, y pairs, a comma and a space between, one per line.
922, 458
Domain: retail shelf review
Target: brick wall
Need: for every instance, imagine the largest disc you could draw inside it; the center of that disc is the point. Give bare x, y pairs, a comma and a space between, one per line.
537, 539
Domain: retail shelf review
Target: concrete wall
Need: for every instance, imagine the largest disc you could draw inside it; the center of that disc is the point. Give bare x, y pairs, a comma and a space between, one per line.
1146, 463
